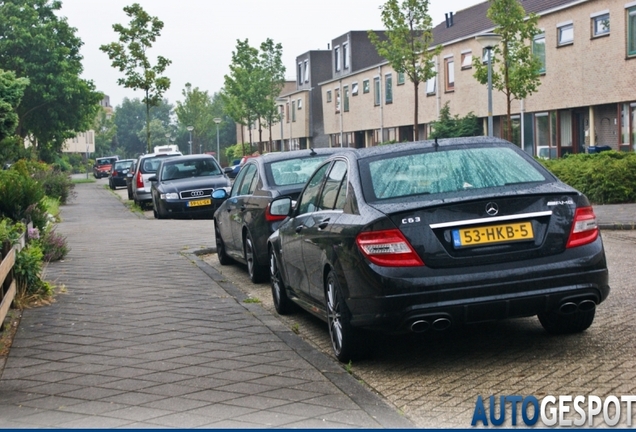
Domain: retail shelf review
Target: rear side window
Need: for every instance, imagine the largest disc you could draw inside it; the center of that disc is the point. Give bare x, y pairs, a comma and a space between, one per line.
439, 172
294, 171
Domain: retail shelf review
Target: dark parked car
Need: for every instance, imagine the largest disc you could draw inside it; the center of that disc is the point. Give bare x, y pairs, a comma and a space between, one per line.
130, 178
103, 165
183, 186
119, 172
243, 223
407, 237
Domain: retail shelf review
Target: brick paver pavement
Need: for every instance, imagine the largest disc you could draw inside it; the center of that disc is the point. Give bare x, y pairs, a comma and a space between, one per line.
142, 336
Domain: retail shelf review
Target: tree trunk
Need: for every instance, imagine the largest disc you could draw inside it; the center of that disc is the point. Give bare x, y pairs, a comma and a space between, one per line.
148, 123
416, 129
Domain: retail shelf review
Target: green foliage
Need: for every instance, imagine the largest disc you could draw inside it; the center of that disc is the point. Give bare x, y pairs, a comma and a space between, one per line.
20, 196
129, 56
450, 127
10, 231
237, 151
515, 69
605, 178
409, 31
27, 271
11, 92
54, 246
36, 42
129, 124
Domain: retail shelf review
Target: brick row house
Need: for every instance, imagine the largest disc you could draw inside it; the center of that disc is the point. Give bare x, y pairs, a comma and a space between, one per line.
349, 96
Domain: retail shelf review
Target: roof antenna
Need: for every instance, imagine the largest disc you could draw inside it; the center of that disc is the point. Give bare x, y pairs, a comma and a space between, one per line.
313, 152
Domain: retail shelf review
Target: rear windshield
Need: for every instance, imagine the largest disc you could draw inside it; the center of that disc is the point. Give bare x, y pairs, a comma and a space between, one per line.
123, 164
294, 171
104, 161
190, 168
440, 172
150, 164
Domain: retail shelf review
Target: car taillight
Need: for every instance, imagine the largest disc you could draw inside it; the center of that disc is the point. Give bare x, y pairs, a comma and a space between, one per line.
269, 217
140, 180
584, 229
114, 173
388, 248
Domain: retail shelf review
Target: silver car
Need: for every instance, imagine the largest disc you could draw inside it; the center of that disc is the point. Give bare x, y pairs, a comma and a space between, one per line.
147, 167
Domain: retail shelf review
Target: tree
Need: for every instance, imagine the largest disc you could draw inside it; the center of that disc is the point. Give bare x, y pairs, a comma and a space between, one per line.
449, 127
130, 120
273, 70
36, 43
129, 55
105, 134
11, 92
515, 69
196, 111
409, 34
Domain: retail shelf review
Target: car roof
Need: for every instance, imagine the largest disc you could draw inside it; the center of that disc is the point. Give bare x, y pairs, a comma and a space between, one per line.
279, 156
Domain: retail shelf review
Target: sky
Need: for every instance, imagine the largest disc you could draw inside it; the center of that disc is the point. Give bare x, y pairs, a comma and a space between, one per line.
200, 35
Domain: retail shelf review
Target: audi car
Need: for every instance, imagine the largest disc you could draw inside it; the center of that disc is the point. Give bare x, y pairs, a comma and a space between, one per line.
183, 186
436, 234
243, 223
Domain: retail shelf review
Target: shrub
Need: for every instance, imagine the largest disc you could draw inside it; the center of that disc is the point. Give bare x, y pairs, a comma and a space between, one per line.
10, 231
606, 178
20, 195
54, 246
27, 270
57, 185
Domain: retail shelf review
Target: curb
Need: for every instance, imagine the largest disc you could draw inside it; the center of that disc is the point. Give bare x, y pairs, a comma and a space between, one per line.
618, 226
373, 404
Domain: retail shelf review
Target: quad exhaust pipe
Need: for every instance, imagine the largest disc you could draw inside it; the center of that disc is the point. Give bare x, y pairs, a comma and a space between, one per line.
571, 307
422, 325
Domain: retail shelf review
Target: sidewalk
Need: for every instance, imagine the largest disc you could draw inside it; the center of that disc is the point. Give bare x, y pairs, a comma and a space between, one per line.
145, 334
616, 216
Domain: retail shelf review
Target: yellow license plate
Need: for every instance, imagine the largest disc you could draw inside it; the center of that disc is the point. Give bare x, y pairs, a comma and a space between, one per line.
198, 203
477, 236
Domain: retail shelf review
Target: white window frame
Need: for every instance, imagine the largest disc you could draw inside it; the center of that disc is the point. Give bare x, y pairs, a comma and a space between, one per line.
336, 57
601, 18
563, 30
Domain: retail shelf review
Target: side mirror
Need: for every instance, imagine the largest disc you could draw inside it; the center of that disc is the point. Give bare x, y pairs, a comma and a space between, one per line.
219, 194
227, 170
280, 206
153, 178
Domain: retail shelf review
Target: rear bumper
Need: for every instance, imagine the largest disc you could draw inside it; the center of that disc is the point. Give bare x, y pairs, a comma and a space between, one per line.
477, 294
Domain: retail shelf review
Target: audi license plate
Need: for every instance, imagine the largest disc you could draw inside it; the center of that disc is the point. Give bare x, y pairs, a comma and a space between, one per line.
477, 236
197, 203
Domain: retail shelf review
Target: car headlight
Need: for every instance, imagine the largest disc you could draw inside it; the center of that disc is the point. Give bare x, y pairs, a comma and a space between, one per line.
170, 195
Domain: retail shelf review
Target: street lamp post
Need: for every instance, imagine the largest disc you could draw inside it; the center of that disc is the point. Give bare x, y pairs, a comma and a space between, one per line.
282, 101
190, 129
488, 42
218, 148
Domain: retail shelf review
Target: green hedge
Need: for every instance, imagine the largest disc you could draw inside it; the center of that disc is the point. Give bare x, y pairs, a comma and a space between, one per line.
606, 178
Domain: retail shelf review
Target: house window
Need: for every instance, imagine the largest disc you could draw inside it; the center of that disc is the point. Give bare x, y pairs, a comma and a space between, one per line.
631, 31
365, 86
300, 104
337, 100
300, 73
450, 74
401, 78
538, 49
345, 55
293, 110
388, 88
565, 34
328, 96
467, 60
600, 25
345, 92
430, 83
376, 90
354, 89
336, 59
306, 72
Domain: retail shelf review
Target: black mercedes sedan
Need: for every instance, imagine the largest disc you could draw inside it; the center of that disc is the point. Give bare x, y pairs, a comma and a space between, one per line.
430, 235
183, 186
243, 222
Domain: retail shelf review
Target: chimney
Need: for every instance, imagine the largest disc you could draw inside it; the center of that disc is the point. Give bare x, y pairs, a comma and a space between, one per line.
449, 19
328, 46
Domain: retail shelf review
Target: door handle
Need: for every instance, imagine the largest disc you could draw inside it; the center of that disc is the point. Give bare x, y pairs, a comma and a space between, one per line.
242, 208
323, 224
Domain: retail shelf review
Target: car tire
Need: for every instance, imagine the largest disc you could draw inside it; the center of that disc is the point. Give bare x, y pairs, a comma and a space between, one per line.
282, 303
221, 253
111, 185
348, 343
130, 195
156, 210
256, 271
557, 323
